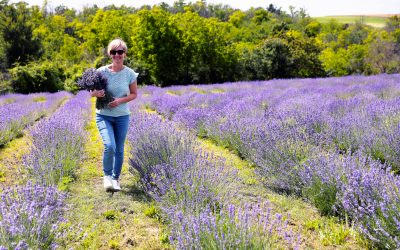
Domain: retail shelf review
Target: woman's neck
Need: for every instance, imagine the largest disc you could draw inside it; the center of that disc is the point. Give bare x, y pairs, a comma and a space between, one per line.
115, 67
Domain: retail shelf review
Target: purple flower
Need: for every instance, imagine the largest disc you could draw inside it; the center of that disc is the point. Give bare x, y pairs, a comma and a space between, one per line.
30, 216
94, 80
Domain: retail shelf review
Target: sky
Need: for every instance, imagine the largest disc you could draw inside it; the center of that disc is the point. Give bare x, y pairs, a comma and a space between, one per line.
314, 8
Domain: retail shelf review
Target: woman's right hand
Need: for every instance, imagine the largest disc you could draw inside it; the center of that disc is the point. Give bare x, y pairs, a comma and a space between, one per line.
97, 93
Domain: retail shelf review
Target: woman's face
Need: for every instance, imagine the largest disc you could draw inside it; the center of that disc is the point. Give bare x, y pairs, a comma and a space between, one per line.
117, 54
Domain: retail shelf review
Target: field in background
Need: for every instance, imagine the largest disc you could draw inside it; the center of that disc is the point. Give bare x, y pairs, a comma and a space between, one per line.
377, 21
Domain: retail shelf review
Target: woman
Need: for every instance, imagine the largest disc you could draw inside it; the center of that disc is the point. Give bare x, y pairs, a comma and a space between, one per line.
112, 122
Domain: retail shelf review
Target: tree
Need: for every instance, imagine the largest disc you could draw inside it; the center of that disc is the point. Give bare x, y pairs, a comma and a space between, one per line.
392, 23
354, 34
3, 55
260, 15
237, 18
304, 53
16, 22
345, 48
271, 59
272, 9
383, 55
206, 56
157, 46
335, 63
39, 76
104, 27
313, 28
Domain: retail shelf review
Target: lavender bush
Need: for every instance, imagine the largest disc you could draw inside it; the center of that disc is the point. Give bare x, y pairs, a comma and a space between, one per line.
154, 142
358, 187
171, 170
232, 227
18, 115
58, 142
371, 197
94, 80
30, 217
185, 182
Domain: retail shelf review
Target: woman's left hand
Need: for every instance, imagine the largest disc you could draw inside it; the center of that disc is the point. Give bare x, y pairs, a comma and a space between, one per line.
115, 103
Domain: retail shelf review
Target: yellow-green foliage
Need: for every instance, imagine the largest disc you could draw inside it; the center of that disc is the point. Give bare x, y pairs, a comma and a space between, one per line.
39, 99
153, 212
111, 215
174, 92
2, 176
11, 160
8, 101
217, 90
113, 244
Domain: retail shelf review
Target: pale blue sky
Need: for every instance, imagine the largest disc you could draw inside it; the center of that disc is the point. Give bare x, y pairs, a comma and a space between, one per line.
312, 7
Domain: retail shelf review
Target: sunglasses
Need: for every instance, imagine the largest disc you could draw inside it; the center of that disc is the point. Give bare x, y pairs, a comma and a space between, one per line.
114, 52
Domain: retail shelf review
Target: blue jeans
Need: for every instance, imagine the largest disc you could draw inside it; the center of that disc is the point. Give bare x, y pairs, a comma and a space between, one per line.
113, 131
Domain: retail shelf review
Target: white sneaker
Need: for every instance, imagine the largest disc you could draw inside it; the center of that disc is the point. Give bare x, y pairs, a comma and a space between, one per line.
108, 185
115, 185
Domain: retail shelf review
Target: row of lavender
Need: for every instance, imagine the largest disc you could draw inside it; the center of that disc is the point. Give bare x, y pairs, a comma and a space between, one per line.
18, 111
195, 191
31, 214
333, 141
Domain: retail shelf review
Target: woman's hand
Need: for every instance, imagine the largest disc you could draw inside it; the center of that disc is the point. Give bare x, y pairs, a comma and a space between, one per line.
115, 103
98, 93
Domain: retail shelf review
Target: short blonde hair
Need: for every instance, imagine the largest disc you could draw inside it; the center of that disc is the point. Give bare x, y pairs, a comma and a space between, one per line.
115, 44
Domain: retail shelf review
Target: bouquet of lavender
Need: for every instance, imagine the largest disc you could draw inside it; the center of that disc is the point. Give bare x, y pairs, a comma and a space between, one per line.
94, 80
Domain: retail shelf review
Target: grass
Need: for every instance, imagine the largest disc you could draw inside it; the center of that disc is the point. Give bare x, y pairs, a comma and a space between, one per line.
11, 160
39, 99
103, 221
371, 20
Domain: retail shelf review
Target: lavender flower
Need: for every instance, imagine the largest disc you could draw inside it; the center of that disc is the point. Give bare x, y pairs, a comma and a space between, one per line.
230, 227
171, 168
57, 143
334, 141
94, 80
30, 216
360, 188
25, 111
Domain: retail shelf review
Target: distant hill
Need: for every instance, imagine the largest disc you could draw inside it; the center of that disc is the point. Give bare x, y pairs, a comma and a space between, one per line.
377, 20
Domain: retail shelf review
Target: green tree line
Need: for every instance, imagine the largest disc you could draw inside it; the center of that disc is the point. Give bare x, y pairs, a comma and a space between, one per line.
43, 49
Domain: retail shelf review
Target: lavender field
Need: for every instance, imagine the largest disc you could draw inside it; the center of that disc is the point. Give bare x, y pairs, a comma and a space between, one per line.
331, 144
32, 212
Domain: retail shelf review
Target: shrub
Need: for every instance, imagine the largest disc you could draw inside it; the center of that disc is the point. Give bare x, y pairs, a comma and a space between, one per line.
37, 77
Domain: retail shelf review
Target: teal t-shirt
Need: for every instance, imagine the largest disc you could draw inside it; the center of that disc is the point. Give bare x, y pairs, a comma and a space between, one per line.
118, 86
